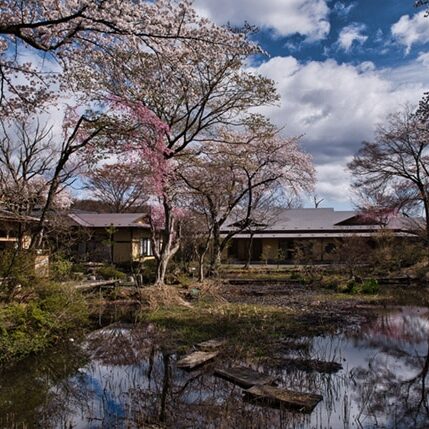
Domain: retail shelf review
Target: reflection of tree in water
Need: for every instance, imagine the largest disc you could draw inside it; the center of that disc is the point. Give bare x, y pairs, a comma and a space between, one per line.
392, 390
36, 392
121, 344
148, 389
131, 381
200, 400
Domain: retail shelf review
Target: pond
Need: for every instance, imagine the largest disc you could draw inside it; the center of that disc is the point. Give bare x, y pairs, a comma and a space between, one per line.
119, 377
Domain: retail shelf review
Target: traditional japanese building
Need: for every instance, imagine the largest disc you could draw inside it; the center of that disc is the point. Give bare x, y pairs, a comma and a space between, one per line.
313, 232
113, 237
15, 229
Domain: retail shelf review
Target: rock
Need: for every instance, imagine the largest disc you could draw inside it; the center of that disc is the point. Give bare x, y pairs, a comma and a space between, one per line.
196, 359
244, 377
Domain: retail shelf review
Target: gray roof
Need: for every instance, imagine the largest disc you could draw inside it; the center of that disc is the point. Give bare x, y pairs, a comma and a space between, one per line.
305, 219
308, 219
316, 222
7, 215
104, 220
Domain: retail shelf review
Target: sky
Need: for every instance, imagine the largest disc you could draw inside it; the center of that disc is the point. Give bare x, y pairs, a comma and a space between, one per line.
340, 68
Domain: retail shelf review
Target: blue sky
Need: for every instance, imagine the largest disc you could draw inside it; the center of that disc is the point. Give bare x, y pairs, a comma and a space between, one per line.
370, 19
340, 67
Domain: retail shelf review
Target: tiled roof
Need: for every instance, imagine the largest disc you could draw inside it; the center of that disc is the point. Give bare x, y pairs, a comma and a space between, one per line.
320, 219
309, 219
104, 220
7, 215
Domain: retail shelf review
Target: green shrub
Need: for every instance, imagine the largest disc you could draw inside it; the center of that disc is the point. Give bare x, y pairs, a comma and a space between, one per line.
296, 275
61, 268
331, 282
110, 272
350, 286
149, 271
370, 287
78, 268
32, 326
18, 266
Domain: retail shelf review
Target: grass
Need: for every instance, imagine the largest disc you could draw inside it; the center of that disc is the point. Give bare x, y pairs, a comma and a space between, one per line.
249, 329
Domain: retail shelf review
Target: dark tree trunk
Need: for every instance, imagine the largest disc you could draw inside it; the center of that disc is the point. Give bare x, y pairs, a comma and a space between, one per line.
215, 260
170, 244
249, 252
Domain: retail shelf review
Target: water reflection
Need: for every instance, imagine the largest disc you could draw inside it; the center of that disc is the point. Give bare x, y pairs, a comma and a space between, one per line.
392, 387
120, 377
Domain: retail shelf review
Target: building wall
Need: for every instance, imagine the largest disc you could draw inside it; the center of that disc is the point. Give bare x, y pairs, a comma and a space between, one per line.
298, 250
10, 233
123, 245
270, 249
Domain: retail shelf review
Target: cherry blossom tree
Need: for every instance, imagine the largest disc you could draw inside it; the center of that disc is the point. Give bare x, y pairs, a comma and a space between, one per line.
423, 110
190, 86
164, 75
230, 177
36, 164
59, 32
120, 187
394, 168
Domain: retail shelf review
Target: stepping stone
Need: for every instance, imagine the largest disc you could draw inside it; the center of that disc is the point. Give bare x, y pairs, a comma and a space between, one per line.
196, 359
211, 344
244, 377
276, 397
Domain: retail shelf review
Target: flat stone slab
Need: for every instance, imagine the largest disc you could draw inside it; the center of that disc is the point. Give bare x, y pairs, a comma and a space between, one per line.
196, 359
211, 345
309, 365
244, 377
276, 397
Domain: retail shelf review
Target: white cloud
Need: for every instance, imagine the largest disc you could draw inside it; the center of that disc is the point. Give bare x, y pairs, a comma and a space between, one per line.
352, 34
333, 182
423, 58
309, 18
409, 31
336, 107
342, 10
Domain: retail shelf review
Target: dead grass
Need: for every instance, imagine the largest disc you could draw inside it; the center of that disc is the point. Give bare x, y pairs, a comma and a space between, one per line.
210, 291
156, 297
249, 329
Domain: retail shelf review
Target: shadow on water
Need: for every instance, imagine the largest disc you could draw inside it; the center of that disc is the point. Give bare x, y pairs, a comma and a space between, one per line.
120, 377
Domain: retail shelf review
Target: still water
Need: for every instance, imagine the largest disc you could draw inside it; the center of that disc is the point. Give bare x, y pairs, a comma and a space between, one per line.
120, 377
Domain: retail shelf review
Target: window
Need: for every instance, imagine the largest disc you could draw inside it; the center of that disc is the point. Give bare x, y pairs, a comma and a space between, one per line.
146, 247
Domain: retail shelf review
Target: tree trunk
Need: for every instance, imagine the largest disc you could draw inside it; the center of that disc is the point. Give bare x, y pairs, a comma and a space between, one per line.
426, 206
202, 255
170, 244
215, 260
201, 267
161, 269
249, 252
426, 209
39, 232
